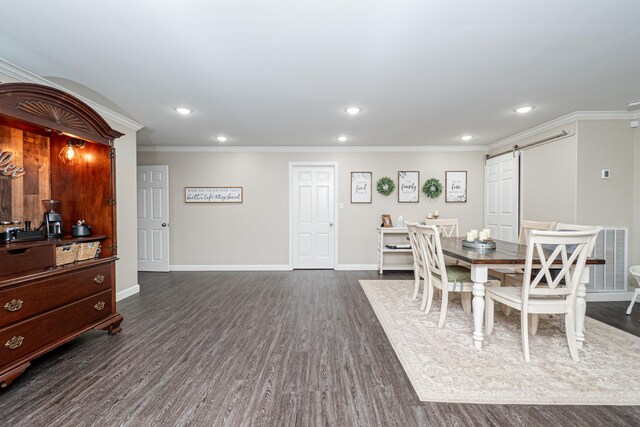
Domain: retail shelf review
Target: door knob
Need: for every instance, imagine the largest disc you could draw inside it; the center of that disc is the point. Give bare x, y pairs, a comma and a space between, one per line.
164, 224
330, 224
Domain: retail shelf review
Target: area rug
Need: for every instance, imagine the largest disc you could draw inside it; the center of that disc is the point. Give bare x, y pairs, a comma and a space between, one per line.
443, 365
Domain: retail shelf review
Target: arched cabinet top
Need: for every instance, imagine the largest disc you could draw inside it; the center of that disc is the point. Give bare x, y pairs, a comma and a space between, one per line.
56, 110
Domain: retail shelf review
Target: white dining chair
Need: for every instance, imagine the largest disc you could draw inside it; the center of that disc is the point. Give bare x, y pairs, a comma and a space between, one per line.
438, 275
635, 272
447, 227
418, 262
553, 288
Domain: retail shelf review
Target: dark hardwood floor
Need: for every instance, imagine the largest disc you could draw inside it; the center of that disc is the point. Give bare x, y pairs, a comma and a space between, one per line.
300, 348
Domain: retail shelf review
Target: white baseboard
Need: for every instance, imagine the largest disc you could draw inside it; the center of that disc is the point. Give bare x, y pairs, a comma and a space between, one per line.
127, 292
268, 267
609, 296
357, 267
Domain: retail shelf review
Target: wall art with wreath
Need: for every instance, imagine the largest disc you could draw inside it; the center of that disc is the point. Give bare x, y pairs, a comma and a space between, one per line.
385, 186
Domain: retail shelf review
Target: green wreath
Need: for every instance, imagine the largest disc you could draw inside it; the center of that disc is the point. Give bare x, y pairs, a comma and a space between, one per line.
432, 188
385, 186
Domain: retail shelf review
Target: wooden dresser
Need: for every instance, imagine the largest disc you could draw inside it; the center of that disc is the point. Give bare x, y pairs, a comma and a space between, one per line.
43, 303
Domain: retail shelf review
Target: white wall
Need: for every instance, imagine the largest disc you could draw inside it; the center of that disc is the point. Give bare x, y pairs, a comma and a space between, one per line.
256, 231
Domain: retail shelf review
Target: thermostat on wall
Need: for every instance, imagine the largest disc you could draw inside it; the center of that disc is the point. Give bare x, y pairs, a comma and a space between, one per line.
606, 174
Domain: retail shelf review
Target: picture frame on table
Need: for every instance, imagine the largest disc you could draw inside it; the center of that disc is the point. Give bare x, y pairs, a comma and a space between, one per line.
455, 186
408, 187
361, 187
386, 221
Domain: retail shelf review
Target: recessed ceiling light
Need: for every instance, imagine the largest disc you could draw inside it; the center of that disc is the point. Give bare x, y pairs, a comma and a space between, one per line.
183, 110
523, 110
466, 137
342, 138
353, 110
222, 138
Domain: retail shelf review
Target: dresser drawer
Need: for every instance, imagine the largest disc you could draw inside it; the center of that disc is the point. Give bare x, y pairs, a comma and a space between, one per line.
23, 301
14, 261
25, 337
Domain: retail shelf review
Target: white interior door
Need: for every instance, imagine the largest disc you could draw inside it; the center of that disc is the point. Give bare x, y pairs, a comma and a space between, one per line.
313, 216
502, 189
153, 218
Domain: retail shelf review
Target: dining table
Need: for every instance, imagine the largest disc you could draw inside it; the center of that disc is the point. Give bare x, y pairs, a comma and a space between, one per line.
507, 254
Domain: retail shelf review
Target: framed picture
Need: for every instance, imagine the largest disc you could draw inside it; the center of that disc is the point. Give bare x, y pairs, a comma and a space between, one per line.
386, 220
455, 185
213, 194
408, 187
361, 187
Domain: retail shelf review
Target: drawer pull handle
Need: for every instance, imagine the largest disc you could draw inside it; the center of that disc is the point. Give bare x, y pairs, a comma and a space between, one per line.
13, 305
14, 342
99, 306
99, 279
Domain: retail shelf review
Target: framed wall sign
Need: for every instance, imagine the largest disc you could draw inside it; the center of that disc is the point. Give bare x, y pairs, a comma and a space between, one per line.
455, 186
213, 194
361, 187
408, 187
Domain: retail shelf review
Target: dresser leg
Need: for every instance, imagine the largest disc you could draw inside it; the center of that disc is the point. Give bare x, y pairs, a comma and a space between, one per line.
8, 377
112, 325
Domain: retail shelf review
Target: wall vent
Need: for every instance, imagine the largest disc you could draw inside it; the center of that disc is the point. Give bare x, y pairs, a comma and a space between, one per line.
611, 245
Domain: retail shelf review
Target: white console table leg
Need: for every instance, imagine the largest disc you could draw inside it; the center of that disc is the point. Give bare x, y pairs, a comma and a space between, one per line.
479, 278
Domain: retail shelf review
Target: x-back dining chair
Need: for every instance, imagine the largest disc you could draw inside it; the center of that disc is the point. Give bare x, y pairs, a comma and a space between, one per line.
418, 262
447, 227
547, 292
446, 278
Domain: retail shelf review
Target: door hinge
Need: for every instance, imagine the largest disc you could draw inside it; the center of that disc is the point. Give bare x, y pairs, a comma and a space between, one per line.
112, 202
112, 153
113, 248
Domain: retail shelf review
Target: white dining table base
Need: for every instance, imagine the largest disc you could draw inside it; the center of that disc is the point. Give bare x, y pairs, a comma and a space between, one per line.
479, 276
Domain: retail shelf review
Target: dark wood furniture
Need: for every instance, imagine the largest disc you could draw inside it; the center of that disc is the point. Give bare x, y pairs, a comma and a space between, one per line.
42, 304
506, 254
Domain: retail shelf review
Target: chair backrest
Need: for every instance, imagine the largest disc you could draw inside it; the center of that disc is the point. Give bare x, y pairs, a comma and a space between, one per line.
576, 227
447, 227
526, 227
415, 243
570, 249
429, 237
635, 272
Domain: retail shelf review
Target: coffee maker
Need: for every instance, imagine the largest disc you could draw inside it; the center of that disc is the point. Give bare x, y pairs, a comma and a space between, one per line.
52, 219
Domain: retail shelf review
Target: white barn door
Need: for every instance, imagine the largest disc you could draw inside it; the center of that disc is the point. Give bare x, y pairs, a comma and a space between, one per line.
502, 202
313, 216
153, 218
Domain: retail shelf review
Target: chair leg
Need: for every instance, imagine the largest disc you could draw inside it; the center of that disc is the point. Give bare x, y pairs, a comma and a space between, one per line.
427, 297
524, 331
507, 310
416, 287
533, 319
443, 308
465, 299
633, 300
571, 336
488, 315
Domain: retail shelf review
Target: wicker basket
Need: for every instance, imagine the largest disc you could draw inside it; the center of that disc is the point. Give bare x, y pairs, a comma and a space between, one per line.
66, 254
88, 250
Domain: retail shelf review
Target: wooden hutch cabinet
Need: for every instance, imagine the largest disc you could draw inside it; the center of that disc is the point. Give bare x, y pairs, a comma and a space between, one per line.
44, 303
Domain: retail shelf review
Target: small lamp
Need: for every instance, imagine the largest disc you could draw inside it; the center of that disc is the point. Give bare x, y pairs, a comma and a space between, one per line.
69, 154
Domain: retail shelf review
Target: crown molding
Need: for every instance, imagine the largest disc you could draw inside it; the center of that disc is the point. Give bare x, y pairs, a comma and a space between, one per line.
22, 75
561, 121
308, 149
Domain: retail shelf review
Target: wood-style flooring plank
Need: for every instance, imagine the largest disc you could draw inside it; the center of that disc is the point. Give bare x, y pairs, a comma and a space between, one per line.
301, 348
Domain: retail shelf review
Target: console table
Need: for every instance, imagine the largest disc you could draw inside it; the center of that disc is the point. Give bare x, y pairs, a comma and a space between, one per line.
389, 235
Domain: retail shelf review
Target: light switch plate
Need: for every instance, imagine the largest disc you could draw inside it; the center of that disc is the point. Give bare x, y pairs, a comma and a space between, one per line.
605, 174
341, 206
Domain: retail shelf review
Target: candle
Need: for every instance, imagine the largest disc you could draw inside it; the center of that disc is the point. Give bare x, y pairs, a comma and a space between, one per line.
436, 213
429, 215
470, 237
483, 236
488, 232
475, 234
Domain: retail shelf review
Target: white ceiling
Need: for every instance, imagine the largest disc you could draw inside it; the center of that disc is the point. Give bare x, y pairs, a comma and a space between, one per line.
281, 72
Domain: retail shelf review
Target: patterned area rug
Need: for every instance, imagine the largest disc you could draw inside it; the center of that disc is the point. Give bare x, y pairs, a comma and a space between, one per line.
443, 366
